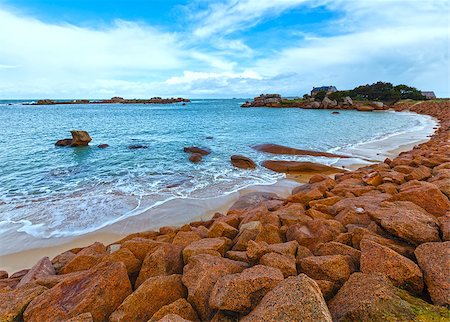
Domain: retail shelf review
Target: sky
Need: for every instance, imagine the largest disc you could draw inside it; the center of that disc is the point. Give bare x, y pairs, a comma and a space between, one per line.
219, 49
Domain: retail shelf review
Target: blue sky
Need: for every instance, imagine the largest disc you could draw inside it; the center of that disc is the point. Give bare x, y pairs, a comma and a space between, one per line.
227, 48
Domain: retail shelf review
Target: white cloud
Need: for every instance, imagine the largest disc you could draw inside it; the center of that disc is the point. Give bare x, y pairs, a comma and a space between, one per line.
47, 56
231, 15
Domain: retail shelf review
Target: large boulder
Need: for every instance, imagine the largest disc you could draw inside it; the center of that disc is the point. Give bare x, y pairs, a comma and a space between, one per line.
242, 291
242, 162
403, 272
286, 264
254, 198
201, 274
86, 258
14, 302
150, 297
425, 195
80, 138
372, 297
314, 232
333, 268
280, 149
365, 108
180, 307
336, 248
434, 259
42, 268
407, 221
297, 298
165, 260
212, 246
99, 291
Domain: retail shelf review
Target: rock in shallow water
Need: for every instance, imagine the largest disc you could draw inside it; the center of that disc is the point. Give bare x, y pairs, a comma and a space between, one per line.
242, 162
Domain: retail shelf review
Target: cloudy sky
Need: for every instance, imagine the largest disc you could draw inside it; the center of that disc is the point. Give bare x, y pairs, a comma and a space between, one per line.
226, 48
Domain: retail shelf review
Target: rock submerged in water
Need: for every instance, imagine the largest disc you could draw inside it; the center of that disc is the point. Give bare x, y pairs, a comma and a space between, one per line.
195, 157
79, 138
102, 146
239, 161
280, 149
194, 149
137, 146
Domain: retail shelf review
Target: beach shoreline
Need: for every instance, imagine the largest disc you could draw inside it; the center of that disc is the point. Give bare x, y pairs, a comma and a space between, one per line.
172, 212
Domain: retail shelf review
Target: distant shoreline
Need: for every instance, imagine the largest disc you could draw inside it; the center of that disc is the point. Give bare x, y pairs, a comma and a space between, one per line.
113, 100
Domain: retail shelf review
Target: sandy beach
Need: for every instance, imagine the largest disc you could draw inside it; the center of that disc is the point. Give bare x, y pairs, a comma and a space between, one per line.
173, 212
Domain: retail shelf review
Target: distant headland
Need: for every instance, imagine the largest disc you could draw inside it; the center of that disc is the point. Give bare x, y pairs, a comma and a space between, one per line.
114, 100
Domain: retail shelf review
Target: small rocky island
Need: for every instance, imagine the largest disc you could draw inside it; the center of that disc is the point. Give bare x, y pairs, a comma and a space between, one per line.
116, 100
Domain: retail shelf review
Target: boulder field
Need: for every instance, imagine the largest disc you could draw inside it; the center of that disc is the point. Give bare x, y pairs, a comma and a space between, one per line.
367, 245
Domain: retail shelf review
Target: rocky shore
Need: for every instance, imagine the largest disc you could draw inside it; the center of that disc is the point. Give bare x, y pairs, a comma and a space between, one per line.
116, 100
367, 245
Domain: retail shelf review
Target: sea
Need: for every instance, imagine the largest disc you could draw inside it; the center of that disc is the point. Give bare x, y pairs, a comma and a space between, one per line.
48, 191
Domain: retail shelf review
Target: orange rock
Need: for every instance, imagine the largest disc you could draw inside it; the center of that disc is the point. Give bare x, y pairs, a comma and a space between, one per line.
140, 247
292, 214
433, 259
238, 256
316, 214
83, 317
151, 296
355, 301
327, 288
242, 291
61, 260
247, 232
269, 234
407, 221
280, 149
403, 272
42, 268
86, 258
185, 238
335, 248
125, 256
242, 162
173, 318
165, 260
334, 268
297, 166
425, 195
359, 233
99, 290
222, 229
444, 226
180, 307
373, 179
286, 264
14, 302
314, 232
297, 298
306, 193
211, 246
201, 274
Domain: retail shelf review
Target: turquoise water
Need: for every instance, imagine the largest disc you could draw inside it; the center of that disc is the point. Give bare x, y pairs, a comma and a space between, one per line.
50, 191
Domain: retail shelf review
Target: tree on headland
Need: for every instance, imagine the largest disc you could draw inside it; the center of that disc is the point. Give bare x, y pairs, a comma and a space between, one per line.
320, 95
380, 91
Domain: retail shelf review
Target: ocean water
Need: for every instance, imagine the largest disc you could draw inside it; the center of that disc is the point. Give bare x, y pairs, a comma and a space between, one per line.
48, 191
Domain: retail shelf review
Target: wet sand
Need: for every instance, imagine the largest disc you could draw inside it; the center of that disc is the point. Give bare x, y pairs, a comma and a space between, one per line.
181, 211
